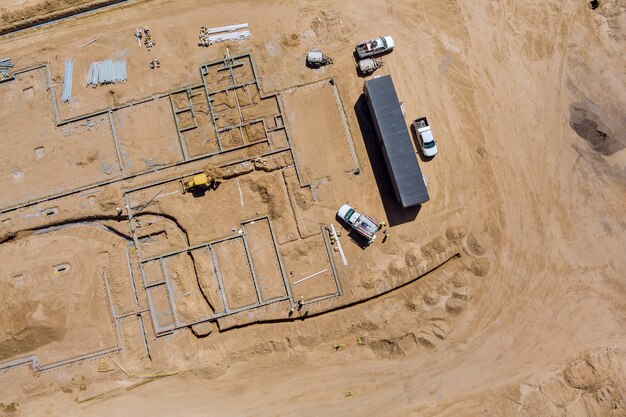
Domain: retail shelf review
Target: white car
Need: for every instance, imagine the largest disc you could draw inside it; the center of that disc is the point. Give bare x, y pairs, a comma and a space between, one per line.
425, 137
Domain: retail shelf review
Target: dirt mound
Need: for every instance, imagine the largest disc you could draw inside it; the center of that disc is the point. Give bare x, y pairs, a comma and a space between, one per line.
20, 332
456, 233
268, 196
36, 12
272, 163
480, 267
258, 349
474, 245
592, 385
412, 257
13, 314
434, 247
109, 199
432, 297
591, 370
588, 126
455, 305
396, 267
394, 347
427, 340
386, 348
460, 280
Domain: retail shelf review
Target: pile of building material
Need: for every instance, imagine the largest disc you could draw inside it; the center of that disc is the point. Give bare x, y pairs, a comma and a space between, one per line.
67, 81
5, 64
154, 63
106, 72
148, 38
208, 36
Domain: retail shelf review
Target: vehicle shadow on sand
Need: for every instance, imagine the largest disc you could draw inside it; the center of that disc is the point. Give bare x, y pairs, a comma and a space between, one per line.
395, 215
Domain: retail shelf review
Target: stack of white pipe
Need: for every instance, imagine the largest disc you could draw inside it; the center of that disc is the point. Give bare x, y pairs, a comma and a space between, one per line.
106, 72
67, 81
233, 36
5, 65
224, 33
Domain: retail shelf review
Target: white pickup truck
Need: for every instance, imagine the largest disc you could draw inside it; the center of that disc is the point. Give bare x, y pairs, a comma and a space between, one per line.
364, 225
425, 136
374, 47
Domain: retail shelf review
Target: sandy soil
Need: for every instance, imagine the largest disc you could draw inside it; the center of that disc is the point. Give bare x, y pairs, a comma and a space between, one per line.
526, 100
21, 14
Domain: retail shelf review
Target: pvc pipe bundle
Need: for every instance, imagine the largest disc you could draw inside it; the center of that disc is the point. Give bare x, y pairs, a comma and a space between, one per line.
230, 28
106, 72
232, 36
5, 64
67, 81
225, 33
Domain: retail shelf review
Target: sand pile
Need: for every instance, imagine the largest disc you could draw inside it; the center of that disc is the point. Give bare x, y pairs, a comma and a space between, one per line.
23, 327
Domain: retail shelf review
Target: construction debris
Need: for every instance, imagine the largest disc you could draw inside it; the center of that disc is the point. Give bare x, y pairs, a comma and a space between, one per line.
106, 72
154, 63
90, 42
147, 38
208, 36
335, 240
103, 365
67, 81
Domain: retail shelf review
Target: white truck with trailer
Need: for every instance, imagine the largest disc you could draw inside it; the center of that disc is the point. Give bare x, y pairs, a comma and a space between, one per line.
364, 225
373, 47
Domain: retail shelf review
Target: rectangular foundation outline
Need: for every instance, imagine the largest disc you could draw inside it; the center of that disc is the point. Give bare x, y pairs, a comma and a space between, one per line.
60, 122
166, 330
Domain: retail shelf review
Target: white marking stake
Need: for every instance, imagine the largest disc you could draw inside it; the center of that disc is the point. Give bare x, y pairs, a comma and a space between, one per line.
240, 193
310, 276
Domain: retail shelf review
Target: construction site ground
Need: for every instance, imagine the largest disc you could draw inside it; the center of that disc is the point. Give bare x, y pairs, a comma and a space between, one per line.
123, 292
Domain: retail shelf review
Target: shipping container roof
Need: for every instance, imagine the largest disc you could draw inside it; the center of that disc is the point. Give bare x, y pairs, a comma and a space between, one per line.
402, 163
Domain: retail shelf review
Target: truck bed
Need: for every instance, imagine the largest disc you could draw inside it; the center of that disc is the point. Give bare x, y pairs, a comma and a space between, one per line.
367, 226
375, 46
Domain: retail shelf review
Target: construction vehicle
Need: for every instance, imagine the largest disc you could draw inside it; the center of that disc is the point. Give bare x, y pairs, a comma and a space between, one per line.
374, 47
316, 59
200, 182
364, 225
369, 65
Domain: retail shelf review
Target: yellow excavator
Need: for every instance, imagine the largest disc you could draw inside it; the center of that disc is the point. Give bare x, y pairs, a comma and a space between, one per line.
201, 182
